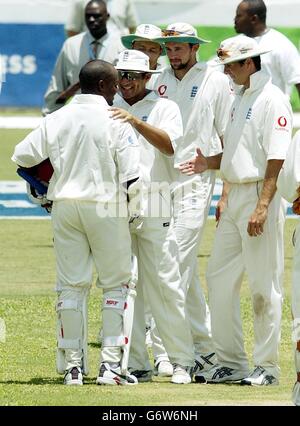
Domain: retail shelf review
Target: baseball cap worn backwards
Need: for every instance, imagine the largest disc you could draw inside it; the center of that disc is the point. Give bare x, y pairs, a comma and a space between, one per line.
134, 60
146, 32
237, 48
181, 32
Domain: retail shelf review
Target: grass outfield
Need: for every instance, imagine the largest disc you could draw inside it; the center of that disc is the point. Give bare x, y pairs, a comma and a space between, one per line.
27, 374
27, 299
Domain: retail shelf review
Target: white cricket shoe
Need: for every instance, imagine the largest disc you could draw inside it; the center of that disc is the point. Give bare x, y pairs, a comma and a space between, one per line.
181, 375
73, 376
260, 377
296, 394
220, 374
112, 376
205, 362
163, 369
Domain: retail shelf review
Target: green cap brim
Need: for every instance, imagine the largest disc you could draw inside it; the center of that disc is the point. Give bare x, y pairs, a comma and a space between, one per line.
127, 41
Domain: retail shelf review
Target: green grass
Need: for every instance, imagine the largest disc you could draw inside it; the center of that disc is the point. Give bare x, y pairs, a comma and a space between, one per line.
8, 139
27, 299
27, 372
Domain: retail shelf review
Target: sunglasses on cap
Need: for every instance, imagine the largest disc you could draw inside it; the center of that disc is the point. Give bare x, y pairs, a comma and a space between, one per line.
222, 54
170, 33
131, 75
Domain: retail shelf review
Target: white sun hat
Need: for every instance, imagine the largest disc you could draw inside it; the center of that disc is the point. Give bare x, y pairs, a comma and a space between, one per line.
237, 48
146, 32
181, 32
134, 60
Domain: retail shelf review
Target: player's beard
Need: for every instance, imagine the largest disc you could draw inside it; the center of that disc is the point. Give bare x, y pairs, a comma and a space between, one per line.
181, 66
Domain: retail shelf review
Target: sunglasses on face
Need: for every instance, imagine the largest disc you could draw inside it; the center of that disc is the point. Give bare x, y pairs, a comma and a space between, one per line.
130, 75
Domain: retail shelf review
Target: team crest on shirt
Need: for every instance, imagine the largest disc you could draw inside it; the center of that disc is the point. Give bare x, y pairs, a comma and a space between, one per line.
232, 115
194, 91
249, 113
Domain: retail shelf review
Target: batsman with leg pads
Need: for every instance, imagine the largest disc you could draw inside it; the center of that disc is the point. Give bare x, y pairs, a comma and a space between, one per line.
89, 212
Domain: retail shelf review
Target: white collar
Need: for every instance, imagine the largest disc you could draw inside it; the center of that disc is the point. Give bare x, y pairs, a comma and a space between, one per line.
89, 99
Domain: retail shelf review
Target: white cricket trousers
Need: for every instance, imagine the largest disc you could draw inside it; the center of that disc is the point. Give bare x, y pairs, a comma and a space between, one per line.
262, 257
154, 245
191, 206
83, 238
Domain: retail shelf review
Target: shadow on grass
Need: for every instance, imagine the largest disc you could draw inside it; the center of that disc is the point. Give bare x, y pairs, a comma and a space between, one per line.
94, 345
45, 381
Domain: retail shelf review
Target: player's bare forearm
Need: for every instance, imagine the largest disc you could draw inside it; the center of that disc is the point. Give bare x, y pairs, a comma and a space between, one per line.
222, 201
259, 216
157, 137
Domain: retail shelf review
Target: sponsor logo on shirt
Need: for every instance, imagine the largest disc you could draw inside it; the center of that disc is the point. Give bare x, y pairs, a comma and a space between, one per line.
145, 118
249, 113
194, 91
282, 124
111, 302
162, 89
282, 121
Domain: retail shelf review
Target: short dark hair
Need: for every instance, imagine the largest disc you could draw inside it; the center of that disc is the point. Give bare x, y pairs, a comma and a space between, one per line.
257, 7
257, 62
92, 72
255, 59
102, 2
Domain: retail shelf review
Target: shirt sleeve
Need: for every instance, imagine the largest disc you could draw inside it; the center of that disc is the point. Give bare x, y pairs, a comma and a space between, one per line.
58, 83
224, 100
288, 60
169, 119
289, 177
127, 153
131, 18
33, 149
75, 20
277, 127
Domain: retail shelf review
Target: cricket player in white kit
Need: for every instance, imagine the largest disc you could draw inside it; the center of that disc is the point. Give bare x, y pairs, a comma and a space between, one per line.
288, 186
250, 233
93, 156
159, 128
144, 39
204, 98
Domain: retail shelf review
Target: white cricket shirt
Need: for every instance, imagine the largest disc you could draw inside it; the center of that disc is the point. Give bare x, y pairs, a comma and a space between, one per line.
90, 152
289, 177
204, 96
259, 130
283, 62
165, 115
